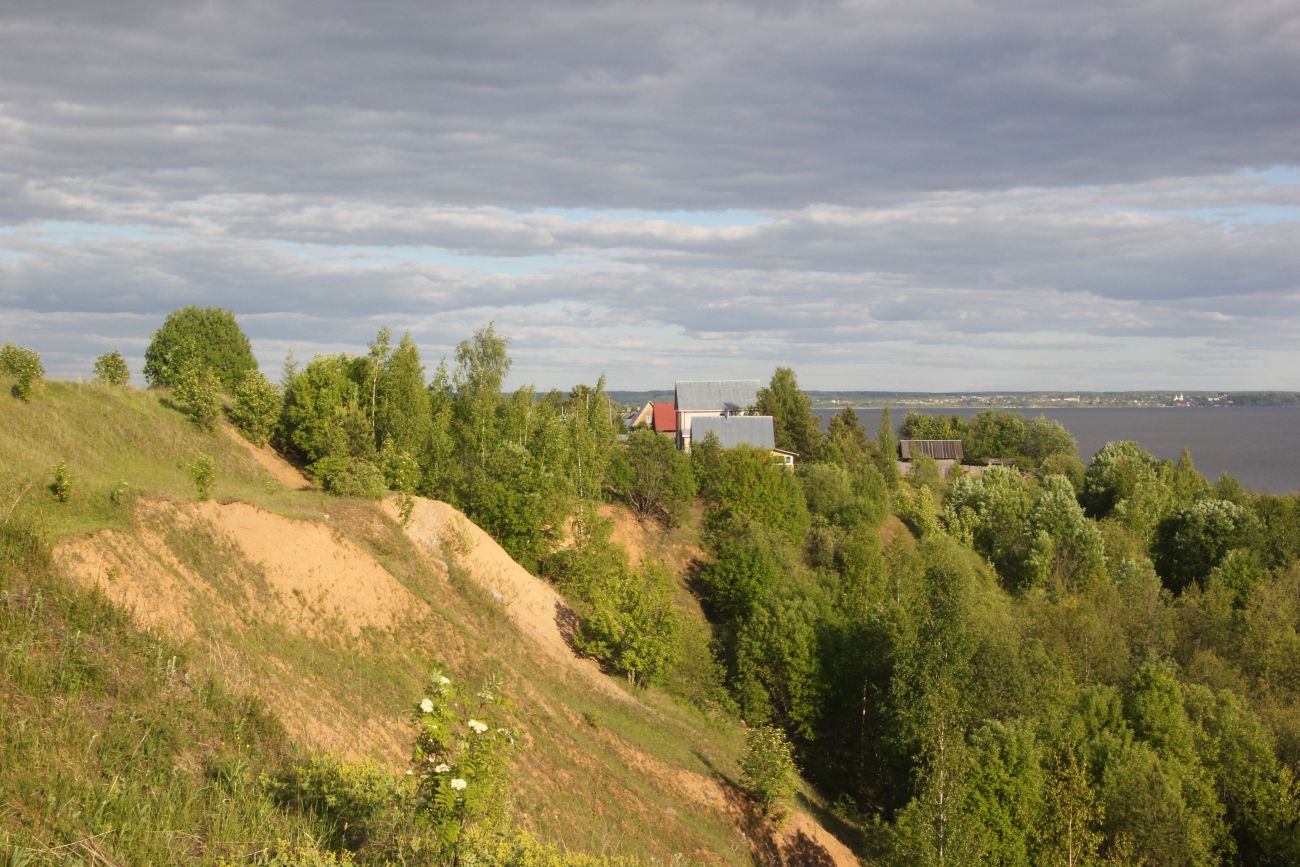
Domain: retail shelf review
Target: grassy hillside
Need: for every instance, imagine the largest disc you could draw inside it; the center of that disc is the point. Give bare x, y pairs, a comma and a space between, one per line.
152, 746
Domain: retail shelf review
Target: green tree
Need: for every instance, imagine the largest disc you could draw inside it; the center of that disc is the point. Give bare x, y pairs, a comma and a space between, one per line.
886, 453
111, 369
1045, 438
589, 417
404, 410
197, 392
1006, 791
1067, 553
846, 438
631, 623
481, 368
932, 676
1194, 540
653, 477
24, 365
923, 426
207, 337
751, 488
322, 409
794, 425
995, 434
776, 672
257, 407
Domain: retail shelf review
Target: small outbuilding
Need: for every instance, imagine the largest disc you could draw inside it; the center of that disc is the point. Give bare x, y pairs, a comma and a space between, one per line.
940, 450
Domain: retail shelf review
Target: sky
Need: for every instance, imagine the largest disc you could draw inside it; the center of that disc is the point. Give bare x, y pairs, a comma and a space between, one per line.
943, 195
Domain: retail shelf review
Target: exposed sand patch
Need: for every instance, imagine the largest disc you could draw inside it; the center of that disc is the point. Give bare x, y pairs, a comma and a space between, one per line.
643, 539
143, 578
532, 604
279, 469
310, 569
628, 531
319, 583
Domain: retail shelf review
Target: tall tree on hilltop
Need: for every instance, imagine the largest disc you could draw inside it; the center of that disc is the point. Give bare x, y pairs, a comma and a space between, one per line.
793, 422
208, 337
403, 412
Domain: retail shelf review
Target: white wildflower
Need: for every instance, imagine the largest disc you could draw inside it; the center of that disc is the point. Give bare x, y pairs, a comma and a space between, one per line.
442, 768
458, 784
486, 695
427, 705
409, 773
478, 727
443, 680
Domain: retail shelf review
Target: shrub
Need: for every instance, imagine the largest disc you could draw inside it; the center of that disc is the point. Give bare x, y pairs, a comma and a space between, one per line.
197, 392
355, 802
206, 337
349, 477
111, 369
459, 760
61, 486
121, 494
767, 770
257, 407
24, 365
203, 473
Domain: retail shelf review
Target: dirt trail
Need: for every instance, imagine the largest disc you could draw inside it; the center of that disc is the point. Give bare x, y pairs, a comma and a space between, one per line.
532, 604
279, 469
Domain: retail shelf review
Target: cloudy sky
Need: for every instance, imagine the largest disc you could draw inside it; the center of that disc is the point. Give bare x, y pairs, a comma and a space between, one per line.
931, 194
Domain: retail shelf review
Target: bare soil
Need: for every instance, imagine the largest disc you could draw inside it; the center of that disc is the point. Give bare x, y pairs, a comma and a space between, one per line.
531, 603
268, 459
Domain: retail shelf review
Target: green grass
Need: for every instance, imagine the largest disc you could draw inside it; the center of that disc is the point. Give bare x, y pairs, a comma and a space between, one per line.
152, 749
109, 436
112, 740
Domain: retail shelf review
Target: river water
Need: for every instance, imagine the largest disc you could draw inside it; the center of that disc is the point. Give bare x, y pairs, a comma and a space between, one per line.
1259, 446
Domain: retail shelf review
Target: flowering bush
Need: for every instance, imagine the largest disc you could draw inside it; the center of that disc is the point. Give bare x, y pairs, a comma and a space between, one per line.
111, 369
458, 762
24, 365
767, 770
197, 392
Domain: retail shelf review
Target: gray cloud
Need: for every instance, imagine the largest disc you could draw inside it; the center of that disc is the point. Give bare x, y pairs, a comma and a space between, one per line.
936, 194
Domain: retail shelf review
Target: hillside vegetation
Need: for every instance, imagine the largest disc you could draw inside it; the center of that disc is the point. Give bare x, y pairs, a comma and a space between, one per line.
193, 648
1040, 662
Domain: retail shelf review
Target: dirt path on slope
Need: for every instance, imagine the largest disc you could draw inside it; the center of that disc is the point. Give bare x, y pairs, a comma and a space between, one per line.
279, 469
531, 603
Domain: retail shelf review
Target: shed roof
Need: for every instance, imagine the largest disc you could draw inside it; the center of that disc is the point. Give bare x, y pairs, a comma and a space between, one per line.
665, 417
735, 430
940, 450
729, 395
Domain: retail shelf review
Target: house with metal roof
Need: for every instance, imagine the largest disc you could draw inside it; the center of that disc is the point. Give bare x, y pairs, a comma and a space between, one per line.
740, 430
711, 397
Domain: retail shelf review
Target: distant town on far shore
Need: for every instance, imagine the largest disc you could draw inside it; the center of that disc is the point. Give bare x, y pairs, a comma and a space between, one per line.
1012, 399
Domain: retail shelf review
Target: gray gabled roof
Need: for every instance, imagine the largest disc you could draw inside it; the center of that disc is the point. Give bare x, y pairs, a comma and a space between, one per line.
735, 430
722, 395
940, 450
